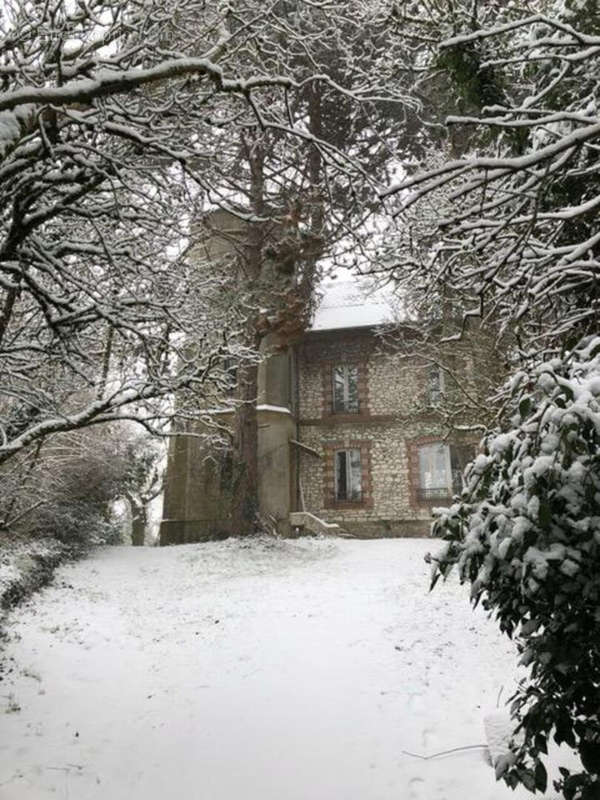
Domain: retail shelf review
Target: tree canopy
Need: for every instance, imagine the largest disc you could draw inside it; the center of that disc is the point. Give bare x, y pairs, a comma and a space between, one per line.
122, 123
117, 124
512, 235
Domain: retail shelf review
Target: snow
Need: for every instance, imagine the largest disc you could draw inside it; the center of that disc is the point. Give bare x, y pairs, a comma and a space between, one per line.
111, 81
354, 304
499, 731
259, 407
271, 669
268, 407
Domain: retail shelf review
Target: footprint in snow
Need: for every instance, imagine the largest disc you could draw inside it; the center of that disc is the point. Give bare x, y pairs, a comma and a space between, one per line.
415, 788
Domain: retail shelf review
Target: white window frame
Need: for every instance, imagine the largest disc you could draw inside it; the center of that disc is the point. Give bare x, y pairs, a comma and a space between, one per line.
444, 488
452, 482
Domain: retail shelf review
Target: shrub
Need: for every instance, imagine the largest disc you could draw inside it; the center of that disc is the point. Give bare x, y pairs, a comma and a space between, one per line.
526, 534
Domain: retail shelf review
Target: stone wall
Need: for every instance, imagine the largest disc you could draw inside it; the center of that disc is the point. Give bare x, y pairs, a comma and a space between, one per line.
390, 382
317, 356
389, 502
393, 420
298, 442
195, 501
396, 386
197, 498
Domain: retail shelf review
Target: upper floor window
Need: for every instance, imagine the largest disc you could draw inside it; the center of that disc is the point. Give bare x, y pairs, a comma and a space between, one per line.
345, 389
441, 468
435, 385
348, 475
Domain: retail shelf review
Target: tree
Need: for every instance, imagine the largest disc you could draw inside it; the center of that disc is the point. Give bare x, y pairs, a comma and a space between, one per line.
520, 239
462, 361
102, 169
142, 483
304, 200
517, 236
64, 487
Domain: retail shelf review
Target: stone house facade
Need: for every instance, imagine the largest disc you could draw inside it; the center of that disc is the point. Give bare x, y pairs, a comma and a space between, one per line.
399, 460
350, 431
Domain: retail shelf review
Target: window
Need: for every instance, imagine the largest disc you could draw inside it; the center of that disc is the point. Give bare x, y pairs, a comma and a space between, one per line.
460, 456
348, 476
441, 468
435, 385
345, 389
434, 471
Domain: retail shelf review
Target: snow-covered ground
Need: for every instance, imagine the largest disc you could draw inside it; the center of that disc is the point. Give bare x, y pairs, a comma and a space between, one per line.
267, 670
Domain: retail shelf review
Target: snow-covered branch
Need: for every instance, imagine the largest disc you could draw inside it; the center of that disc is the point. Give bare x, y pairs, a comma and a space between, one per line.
517, 214
110, 82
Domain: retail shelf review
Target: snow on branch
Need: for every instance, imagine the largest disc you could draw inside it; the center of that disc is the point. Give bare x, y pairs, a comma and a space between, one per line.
512, 215
121, 125
496, 167
107, 82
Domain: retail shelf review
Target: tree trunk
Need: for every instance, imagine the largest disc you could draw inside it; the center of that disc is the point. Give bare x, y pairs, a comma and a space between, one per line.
244, 507
138, 530
139, 520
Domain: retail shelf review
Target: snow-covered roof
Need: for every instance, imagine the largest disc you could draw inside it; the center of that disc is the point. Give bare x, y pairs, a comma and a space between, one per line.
354, 304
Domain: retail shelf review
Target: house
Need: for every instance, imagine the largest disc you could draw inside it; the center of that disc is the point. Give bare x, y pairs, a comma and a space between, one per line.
352, 432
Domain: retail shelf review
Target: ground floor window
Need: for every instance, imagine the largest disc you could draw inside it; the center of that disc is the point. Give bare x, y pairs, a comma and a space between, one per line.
348, 475
441, 469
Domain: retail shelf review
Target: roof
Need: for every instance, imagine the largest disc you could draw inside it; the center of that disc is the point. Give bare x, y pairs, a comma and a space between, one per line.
354, 304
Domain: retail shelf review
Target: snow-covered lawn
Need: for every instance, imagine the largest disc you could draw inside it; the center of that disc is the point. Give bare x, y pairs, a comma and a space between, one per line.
267, 670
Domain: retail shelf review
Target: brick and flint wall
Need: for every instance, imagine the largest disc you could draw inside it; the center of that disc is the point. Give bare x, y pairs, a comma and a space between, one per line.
391, 424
